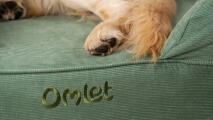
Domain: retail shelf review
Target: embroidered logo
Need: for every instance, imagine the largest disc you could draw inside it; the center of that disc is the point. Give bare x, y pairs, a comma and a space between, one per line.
94, 95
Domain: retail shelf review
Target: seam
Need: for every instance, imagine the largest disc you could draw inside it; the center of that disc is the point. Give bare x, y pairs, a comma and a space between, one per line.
88, 68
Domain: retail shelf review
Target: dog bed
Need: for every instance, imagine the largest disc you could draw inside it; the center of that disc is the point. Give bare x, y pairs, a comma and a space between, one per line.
45, 74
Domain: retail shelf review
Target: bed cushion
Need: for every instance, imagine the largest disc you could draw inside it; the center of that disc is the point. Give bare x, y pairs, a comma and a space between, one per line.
42, 62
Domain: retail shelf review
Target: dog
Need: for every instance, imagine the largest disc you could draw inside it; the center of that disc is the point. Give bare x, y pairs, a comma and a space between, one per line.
142, 26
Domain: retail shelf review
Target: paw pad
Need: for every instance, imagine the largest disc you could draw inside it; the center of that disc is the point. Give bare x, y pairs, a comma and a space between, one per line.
106, 48
10, 4
10, 10
112, 42
102, 49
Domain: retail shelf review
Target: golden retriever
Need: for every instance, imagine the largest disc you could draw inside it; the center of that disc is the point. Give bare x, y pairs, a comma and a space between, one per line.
142, 25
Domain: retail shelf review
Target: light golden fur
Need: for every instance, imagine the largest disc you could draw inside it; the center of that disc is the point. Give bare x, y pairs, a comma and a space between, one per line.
142, 25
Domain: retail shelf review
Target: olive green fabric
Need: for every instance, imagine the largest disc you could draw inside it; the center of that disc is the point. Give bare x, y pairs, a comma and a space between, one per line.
39, 53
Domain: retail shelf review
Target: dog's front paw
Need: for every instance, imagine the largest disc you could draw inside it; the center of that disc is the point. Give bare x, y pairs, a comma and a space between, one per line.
105, 39
105, 47
11, 10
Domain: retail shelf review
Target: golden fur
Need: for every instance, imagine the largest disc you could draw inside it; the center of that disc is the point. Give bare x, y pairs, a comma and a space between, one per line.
142, 25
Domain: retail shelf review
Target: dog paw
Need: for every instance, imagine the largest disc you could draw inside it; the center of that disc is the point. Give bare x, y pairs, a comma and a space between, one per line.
105, 48
11, 10
104, 40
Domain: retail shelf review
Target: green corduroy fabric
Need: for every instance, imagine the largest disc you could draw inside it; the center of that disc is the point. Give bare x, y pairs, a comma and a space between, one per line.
48, 52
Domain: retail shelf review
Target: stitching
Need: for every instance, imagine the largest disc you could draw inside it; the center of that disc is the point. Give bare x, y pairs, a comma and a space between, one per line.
88, 68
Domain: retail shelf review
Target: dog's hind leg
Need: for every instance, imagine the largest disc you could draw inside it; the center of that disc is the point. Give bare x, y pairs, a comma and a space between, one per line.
16, 9
151, 26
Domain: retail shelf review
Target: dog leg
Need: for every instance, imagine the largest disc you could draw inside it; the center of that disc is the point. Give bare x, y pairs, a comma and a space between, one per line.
16, 9
151, 26
108, 36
